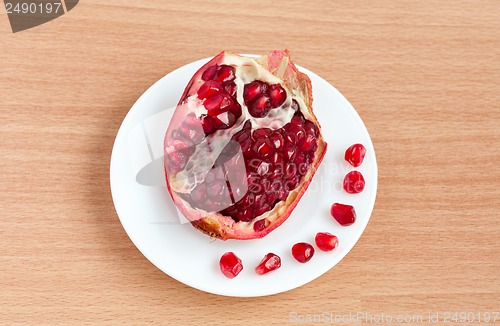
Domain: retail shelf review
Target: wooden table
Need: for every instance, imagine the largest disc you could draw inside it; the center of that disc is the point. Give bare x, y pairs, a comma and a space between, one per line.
423, 75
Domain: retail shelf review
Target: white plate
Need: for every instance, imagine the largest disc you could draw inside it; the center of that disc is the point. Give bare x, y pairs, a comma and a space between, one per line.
151, 220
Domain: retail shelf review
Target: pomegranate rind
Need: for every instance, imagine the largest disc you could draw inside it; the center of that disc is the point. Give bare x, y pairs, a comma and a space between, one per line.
223, 227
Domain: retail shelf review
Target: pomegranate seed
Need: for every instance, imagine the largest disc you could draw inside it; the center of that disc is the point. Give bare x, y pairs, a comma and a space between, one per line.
301, 164
253, 90
289, 152
302, 252
247, 125
246, 144
355, 154
224, 120
274, 179
344, 214
260, 107
292, 183
297, 120
207, 124
225, 73
308, 144
326, 241
236, 110
245, 215
263, 147
260, 225
230, 88
298, 131
209, 73
263, 168
277, 140
209, 89
262, 133
290, 171
212, 104
277, 95
269, 263
253, 182
354, 182
278, 159
290, 138
226, 104
230, 265
311, 129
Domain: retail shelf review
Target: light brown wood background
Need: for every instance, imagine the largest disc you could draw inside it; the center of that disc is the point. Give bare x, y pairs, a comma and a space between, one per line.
423, 75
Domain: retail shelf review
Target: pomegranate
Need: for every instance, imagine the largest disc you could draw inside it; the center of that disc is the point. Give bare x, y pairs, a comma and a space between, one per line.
269, 263
326, 241
230, 265
354, 182
243, 145
355, 154
302, 252
344, 214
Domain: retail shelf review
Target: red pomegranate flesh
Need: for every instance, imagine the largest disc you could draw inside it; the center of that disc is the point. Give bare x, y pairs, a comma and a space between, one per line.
243, 145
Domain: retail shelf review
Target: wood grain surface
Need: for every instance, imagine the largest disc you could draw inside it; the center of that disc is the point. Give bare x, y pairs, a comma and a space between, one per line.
423, 75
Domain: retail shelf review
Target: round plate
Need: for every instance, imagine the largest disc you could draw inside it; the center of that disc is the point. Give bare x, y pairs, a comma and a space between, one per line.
154, 225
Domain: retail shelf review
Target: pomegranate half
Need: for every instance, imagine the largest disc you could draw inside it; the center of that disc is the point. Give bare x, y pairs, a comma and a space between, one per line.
243, 145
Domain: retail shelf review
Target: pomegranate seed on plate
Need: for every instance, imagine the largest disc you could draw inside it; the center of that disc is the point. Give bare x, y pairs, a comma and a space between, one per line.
326, 241
269, 263
230, 265
344, 214
354, 182
355, 154
302, 252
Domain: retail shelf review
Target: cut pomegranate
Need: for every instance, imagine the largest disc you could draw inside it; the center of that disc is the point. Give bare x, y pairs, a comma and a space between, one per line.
326, 241
344, 214
230, 265
243, 145
302, 252
355, 154
354, 182
269, 263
